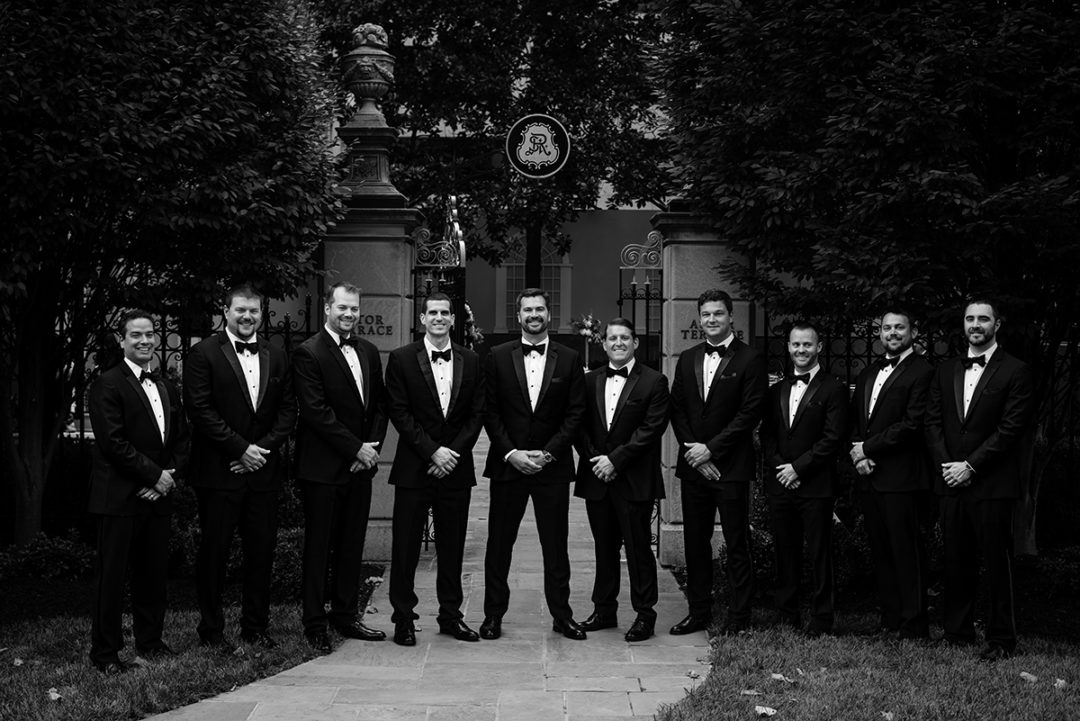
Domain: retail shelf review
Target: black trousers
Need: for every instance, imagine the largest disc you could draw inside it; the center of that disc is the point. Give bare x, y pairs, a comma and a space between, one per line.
700, 504
616, 521
335, 524
893, 529
221, 513
795, 520
551, 506
144, 542
970, 528
450, 511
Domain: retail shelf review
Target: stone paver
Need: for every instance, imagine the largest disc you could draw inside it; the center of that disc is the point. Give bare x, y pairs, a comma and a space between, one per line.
529, 673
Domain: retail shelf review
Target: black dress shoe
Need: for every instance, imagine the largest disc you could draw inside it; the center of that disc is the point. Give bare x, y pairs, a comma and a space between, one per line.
360, 631
568, 627
405, 633
994, 652
598, 621
458, 630
319, 641
259, 638
112, 668
690, 624
640, 630
491, 628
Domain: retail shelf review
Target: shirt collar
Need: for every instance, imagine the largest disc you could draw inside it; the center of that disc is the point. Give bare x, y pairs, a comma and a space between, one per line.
726, 343
333, 335
234, 340
135, 368
988, 352
432, 349
629, 366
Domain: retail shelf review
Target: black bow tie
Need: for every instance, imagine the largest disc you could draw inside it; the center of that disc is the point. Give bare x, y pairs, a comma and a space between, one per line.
351, 341
804, 378
609, 371
977, 360
526, 349
718, 350
241, 346
447, 355
891, 362
149, 376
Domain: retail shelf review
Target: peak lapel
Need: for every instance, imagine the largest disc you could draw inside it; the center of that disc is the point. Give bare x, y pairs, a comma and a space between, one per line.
229, 352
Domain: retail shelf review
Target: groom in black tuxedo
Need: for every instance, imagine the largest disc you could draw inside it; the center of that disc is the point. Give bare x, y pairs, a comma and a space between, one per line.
436, 402
342, 400
535, 405
140, 449
239, 396
978, 428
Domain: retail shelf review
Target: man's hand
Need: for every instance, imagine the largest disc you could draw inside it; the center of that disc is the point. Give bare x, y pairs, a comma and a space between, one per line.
957, 474
527, 462
857, 452
445, 459
434, 470
165, 482
785, 473
254, 457
367, 457
865, 467
603, 468
709, 470
697, 453
237, 467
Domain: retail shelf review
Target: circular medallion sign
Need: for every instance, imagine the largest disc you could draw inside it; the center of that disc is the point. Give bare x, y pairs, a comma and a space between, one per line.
538, 146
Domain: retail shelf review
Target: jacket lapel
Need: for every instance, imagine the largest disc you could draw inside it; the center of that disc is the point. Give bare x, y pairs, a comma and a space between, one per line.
141, 394
339, 357
459, 371
166, 408
628, 387
601, 402
518, 361
264, 371
698, 359
229, 352
549, 371
958, 389
429, 377
808, 396
785, 402
897, 371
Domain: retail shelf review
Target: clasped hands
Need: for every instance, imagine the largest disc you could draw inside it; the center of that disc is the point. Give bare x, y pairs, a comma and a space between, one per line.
863, 465
699, 457
254, 458
165, 483
957, 474
529, 462
443, 462
366, 458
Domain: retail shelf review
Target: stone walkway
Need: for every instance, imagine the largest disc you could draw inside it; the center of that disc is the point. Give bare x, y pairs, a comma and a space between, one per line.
529, 674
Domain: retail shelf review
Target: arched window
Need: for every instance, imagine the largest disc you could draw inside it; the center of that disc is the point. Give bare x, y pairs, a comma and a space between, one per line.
554, 278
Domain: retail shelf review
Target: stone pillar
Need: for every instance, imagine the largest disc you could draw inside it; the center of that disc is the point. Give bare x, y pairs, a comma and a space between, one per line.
371, 245
692, 250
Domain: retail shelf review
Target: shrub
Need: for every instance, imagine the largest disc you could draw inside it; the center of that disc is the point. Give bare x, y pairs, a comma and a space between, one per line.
58, 558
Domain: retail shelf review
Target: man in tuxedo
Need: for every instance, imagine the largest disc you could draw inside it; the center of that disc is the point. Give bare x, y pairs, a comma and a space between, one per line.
806, 418
239, 396
889, 452
626, 412
436, 403
140, 449
717, 399
978, 424
535, 405
342, 400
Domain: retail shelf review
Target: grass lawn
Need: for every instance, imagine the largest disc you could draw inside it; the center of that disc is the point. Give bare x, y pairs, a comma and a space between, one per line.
859, 674
45, 673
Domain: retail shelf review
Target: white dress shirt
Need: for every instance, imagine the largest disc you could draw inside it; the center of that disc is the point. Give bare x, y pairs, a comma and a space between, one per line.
534, 369
443, 371
973, 374
352, 359
712, 362
249, 363
798, 390
883, 375
613, 388
151, 390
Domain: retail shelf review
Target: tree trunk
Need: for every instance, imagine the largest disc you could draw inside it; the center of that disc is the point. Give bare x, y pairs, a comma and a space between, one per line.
533, 240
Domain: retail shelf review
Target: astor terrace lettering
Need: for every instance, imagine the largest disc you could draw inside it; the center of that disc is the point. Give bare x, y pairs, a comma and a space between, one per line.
372, 324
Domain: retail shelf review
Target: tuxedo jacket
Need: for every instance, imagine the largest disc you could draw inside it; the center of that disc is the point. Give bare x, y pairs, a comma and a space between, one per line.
512, 423
129, 453
633, 442
334, 421
224, 421
725, 419
994, 434
414, 409
812, 441
893, 436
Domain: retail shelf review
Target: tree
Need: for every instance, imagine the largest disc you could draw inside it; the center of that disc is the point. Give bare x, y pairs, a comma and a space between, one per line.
467, 71
152, 150
857, 152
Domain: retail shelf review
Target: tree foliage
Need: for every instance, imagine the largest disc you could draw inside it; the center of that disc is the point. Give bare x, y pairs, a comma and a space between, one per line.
862, 152
466, 71
152, 150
